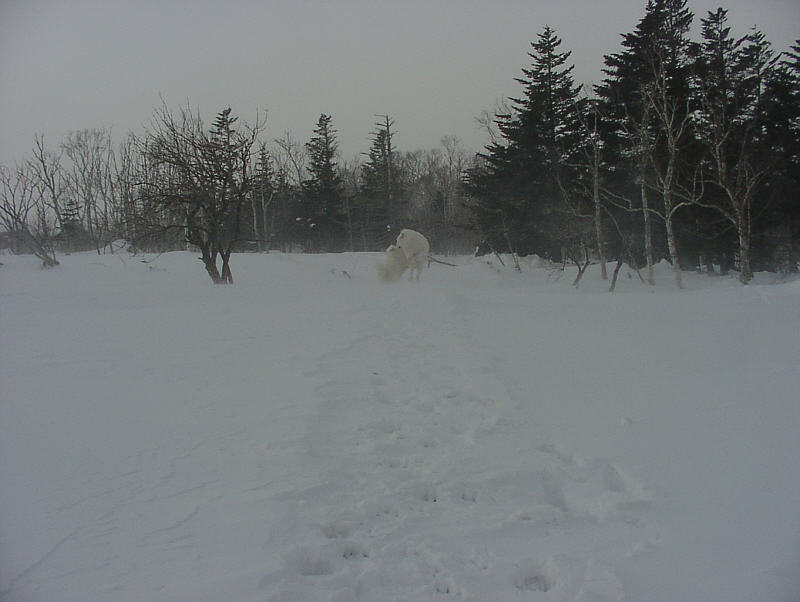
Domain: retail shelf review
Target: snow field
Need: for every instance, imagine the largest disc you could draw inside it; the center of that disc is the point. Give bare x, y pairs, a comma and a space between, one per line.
310, 434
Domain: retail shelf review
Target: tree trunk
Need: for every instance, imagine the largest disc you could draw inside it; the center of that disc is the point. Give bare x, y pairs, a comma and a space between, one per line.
648, 235
746, 273
256, 233
668, 212
213, 272
41, 248
673, 253
581, 267
267, 242
614, 277
598, 225
209, 259
227, 275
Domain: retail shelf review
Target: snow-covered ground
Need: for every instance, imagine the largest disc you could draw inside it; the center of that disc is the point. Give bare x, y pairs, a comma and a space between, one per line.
310, 434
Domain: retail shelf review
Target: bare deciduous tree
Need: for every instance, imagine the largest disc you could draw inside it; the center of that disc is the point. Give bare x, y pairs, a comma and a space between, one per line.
90, 180
49, 177
206, 180
20, 203
673, 117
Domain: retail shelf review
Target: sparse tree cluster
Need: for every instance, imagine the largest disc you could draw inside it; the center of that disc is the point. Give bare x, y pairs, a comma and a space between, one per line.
688, 150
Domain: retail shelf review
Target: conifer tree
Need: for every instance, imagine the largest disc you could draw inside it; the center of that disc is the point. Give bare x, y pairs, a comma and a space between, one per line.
520, 185
381, 203
646, 118
73, 234
322, 192
262, 200
379, 173
732, 125
227, 205
779, 230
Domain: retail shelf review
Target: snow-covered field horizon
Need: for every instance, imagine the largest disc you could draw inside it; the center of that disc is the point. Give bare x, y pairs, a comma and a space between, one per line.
310, 434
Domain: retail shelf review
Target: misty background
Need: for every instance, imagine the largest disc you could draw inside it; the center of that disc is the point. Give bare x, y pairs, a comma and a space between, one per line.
433, 66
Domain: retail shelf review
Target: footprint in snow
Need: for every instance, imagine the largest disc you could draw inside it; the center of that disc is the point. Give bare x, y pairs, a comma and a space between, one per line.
466, 493
556, 574
428, 442
532, 578
570, 578
425, 492
354, 551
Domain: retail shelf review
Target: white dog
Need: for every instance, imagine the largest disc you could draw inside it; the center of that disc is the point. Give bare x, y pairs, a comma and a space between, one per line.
416, 248
396, 263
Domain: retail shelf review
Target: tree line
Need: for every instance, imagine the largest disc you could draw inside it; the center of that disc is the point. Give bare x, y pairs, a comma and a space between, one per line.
687, 150
219, 188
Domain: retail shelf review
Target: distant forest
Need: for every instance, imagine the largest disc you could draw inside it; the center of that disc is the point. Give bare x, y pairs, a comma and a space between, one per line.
688, 150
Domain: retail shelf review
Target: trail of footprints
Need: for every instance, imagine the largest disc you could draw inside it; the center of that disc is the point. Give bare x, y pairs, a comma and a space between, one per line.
400, 493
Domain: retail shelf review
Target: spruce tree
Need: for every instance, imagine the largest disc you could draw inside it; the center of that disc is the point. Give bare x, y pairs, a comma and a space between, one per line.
732, 126
73, 234
263, 196
379, 173
780, 228
322, 192
519, 187
381, 202
227, 205
646, 124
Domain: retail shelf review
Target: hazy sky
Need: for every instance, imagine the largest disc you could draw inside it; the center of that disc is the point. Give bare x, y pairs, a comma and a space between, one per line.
432, 65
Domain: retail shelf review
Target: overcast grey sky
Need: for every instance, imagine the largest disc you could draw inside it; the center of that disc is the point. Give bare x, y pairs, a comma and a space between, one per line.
433, 65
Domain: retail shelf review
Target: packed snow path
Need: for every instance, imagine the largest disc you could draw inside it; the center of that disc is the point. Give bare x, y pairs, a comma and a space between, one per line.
424, 465
309, 434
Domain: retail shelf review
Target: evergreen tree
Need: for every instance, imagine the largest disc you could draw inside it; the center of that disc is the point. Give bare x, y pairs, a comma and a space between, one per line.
381, 204
522, 181
732, 125
322, 192
779, 228
73, 234
227, 204
646, 123
262, 200
223, 147
375, 173
714, 74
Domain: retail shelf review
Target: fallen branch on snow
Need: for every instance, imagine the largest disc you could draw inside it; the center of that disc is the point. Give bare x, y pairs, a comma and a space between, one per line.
434, 260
